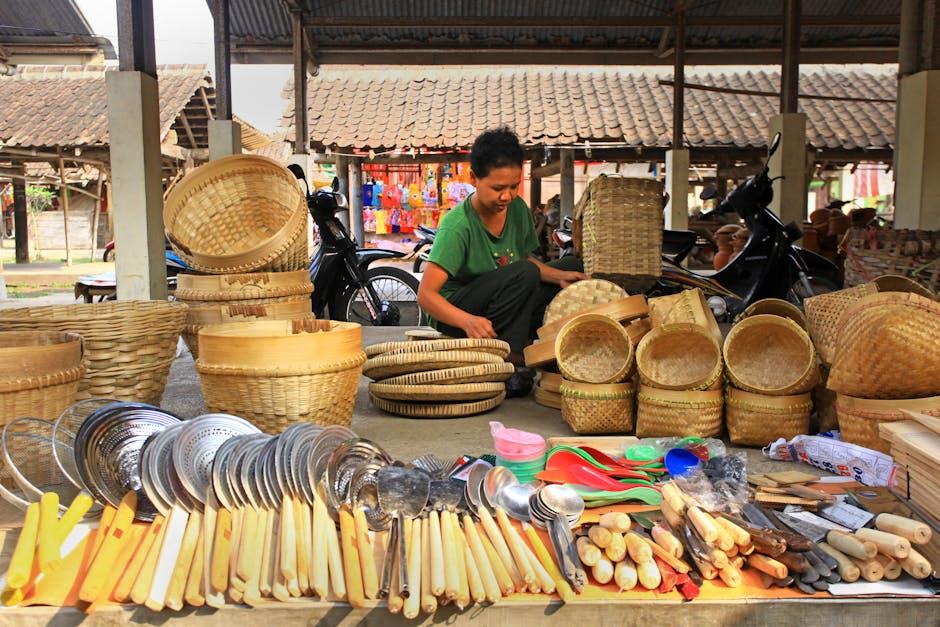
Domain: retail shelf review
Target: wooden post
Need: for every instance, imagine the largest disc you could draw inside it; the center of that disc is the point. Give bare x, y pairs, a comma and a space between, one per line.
96, 214
21, 220
301, 135
64, 195
342, 173
567, 182
678, 88
790, 74
110, 208
223, 62
355, 200
535, 188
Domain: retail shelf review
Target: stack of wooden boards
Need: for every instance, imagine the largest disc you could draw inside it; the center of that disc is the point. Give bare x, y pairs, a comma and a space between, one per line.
438, 378
779, 489
915, 446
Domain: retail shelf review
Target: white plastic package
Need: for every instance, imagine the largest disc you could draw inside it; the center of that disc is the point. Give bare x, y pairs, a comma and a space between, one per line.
868, 467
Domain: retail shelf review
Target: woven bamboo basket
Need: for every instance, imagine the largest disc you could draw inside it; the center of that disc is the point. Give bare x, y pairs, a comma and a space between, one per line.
252, 286
550, 381
276, 372
438, 410
480, 345
593, 408
823, 313
824, 404
759, 419
888, 347
914, 254
480, 373
678, 413
776, 307
898, 283
679, 356
637, 330
594, 349
201, 316
240, 213
40, 373
581, 295
768, 354
686, 306
620, 223
622, 310
129, 345
859, 417
545, 398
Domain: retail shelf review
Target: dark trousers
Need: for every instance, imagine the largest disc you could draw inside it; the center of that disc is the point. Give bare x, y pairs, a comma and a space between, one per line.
513, 298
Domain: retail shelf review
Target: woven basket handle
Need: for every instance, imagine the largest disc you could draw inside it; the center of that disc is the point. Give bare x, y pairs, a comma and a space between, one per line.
178, 244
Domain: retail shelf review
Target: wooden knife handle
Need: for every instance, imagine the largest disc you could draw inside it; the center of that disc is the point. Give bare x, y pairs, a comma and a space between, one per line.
144, 579
21, 565
437, 577
474, 580
896, 546
871, 570
49, 558
516, 547
481, 561
334, 556
703, 524
166, 563
370, 576
184, 562
449, 527
302, 545
320, 576
194, 593
122, 591
915, 531
221, 551
251, 518
76, 511
288, 539
506, 584
767, 565
916, 565
413, 602
268, 546
502, 550
107, 553
846, 567
351, 565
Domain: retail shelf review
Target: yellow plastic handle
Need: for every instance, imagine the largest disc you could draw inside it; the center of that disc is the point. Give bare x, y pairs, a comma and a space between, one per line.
49, 558
21, 566
107, 554
76, 511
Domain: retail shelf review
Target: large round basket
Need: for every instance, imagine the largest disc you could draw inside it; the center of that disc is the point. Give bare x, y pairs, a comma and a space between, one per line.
661, 413
129, 345
594, 349
679, 356
776, 307
201, 316
40, 373
240, 213
768, 354
823, 313
898, 283
276, 372
252, 287
597, 408
759, 419
859, 417
888, 347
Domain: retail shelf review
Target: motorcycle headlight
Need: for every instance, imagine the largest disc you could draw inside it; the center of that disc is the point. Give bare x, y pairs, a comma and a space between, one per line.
718, 306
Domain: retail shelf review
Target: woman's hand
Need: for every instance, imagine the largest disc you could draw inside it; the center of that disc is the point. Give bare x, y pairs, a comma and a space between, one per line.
478, 327
566, 277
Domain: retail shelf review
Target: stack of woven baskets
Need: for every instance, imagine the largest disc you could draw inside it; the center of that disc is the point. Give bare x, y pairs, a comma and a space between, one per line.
438, 378
595, 296
277, 372
886, 359
40, 373
243, 220
128, 345
595, 356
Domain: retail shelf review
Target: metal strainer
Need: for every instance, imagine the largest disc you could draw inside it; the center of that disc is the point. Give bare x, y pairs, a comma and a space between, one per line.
196, 445
63, 438
26, 444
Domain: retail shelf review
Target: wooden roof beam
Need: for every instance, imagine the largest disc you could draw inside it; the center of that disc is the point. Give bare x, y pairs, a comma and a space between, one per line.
637, 21
189, 130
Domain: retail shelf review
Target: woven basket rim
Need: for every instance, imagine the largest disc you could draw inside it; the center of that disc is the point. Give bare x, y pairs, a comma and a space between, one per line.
806, 378
750, 400
502, 370
596, 391
435, 410
380, 367
445, 392
232, 370
854, 404
880, 299
705, 398
679, 327
94, 312
590, 319
914, 285
62, 377
498, 347
793, 312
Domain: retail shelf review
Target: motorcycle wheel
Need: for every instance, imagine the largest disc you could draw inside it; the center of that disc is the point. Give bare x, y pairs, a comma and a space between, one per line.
394, 285
797, 292
108, 255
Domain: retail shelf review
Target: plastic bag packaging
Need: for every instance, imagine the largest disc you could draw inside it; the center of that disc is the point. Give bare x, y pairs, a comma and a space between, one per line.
720, 484
653, 448
868, 467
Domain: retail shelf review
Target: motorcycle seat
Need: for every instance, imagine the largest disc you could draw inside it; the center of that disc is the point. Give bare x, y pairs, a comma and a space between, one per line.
678, 244
426, 229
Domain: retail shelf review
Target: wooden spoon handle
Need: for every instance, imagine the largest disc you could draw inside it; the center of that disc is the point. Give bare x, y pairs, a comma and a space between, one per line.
428, 600
413, 602
302, 545
502, 550
76, 511
516, 546
351, 566
269, 548
21, 565
252, 593
108, 552
334, 556
194, 593
215, 597
545, 579
370, 577
474, 581
236, 583
320, 576
288, 539
129, 543
49, 558
449, 528
481, 560
166, 563
144, 580
107, 517
184, 562
246, 556
438, 577
122, 591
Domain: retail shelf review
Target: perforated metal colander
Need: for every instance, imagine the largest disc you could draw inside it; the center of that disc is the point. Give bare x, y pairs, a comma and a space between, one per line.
196, 446
220, 473
264, 474
288, 449
248, 472
63, 436
26, 447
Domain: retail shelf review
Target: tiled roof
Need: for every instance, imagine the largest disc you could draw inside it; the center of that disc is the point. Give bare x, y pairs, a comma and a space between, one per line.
448, 108
46, 106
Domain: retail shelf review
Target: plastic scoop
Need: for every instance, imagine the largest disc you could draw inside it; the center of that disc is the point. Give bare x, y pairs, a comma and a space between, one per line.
565, 458
600, 498
606, 459
680, 461
584, 475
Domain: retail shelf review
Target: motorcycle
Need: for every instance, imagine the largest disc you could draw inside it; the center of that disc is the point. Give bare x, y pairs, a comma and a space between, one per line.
174, 263
343, 282
769, 266
563, 239
423, 248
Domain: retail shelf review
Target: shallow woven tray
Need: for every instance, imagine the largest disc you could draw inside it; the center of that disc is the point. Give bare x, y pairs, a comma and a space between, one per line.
546, 398
435, 410
679, 356
823, 313
759, 419
859, 417
663, 413
385, 366
420, 335
253, 285
594, 349
454, 392
481, 373
495, 347
769, 354
622, 310
581, 295
776, 307
888, 347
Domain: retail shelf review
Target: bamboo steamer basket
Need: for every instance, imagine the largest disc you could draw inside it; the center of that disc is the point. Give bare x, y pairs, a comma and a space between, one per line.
758, 419
494, 347
253, 286
545, 398
859, 417
680, 356
540, 353
550, 381
768, 354
621, 310
581, 295
678, 413
240, 213
823, 313
128, 345
276, 372
686, 306
594, 349
41, 373
597, 408
888, 348
898, 283
201, 316
637, 330
776, 307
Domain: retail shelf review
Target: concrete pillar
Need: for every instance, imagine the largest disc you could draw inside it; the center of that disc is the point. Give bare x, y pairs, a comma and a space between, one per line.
535, 189
136, 176
917, 159
677, 186
355, 200
342, 173
225, 138
566, 196
789, 201
21, 221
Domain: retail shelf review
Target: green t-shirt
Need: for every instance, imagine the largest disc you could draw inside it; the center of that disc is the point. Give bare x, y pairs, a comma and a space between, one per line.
466, 250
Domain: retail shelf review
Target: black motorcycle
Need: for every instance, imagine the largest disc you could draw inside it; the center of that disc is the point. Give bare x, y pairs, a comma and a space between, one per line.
343, 283
769, 266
